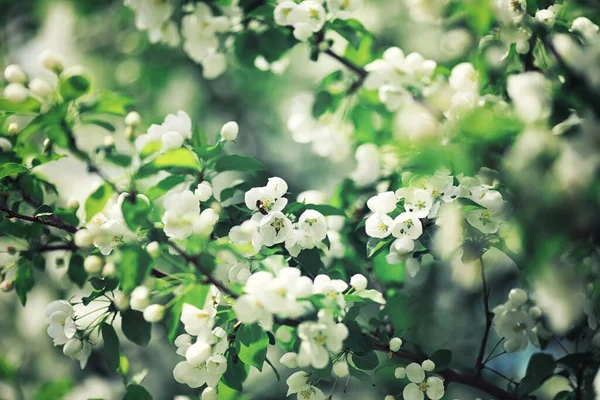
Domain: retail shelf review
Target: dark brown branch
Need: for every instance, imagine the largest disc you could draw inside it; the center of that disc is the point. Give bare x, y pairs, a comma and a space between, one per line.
196, 263
49, 222
454, 376
347, 63
479, 364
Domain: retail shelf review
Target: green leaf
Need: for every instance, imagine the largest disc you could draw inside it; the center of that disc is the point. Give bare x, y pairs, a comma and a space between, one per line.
101, 123
374, 245
442, 359
236, 373
135, 266
164, 186
350, 29
135, 327
54, 390
7, 371
541, 366
227, 393
135, 214
12, 169
365, 361
46, 158
120, 159
23, 282
74, 86
43, 211
324, 101
209, 151
194, 295
76, 272
111, 346
325, 209
96, 201
251, 343
178, 158
29, 105
136, 392
310, 260
106, 102
238, 163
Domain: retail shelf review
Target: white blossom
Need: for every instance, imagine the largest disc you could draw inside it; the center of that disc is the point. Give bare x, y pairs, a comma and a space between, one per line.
230, 130
60, 316
418, 386
318, 339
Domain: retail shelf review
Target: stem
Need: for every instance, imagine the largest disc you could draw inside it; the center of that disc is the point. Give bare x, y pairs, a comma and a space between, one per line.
50, 247
488, 322
48, 222
347, 63
500, 374
492, 352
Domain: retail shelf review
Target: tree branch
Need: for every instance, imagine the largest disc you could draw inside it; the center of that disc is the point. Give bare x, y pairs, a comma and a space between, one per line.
49, 222
479, 364
452, 375
194, 261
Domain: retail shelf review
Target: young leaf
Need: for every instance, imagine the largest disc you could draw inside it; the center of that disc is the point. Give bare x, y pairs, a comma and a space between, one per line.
76, 272
311, 262
374, 245
107, 103
54, 390
136, 264
164, 186
365, 361
541, 366
111, 346
23, 282
236, 373
135, 214
251, 344
96, 201
442, 359
136, 328
12, 169
178, 158
136, 392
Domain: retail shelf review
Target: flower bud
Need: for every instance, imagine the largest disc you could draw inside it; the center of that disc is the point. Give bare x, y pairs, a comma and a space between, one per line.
128, 133
389, 397
121, 300
109, 269
428, 365
140, 298
213, 65
13, 128
109, 141
6, 286
15, 92
358, 282
15, 74
290, 360
230, 130
72, 347
395, 344
283, 334
52, 61
154, 313
73, 204
517, 297
535, 312
153, 248
93, 265
203, 191
400, 373
83, 238
210, 393
133, 119
5, 145
40, 87
340, 369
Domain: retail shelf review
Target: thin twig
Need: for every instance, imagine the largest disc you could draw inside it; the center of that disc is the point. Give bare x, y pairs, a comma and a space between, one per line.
488, 322
48, 222
500, 374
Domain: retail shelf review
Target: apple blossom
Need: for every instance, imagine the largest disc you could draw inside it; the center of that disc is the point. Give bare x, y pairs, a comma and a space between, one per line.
230, 130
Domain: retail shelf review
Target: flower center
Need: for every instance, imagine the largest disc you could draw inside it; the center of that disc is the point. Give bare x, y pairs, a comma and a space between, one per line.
423, 387
277, 224
420, 204
382, 227
311, 221
320, 339
485, 217
519, 327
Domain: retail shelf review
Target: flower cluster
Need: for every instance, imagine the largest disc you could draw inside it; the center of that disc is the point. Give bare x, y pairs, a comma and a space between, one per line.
269, 226
107, 230
419, 202
203, 346
182, 216
60, 317
169, 135
309, 16
418, 387
516, 321
199, 30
